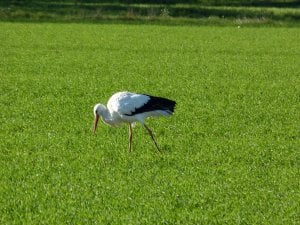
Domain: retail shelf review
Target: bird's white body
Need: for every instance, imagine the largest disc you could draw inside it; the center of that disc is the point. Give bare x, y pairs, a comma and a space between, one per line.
121, 105
127, 107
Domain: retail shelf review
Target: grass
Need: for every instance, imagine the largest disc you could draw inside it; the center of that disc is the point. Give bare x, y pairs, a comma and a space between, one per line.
231, 151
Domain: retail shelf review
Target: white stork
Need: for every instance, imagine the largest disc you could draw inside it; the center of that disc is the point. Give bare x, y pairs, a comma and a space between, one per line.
126, 107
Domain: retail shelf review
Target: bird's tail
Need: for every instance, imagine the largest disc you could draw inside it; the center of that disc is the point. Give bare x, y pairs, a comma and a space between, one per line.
169, 106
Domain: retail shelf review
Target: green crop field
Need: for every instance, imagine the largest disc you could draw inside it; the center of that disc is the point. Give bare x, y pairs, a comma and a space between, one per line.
230, 151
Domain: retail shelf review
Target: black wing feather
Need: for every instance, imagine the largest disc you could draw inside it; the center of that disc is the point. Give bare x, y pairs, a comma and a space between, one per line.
155, 103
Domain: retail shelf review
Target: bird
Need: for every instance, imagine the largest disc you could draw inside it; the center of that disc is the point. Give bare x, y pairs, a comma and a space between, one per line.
128, 108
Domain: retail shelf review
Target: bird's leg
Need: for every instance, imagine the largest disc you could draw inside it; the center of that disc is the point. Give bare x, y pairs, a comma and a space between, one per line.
152, 136
130, 137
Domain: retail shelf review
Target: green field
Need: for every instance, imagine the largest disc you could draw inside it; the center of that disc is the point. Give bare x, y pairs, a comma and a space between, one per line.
230, 152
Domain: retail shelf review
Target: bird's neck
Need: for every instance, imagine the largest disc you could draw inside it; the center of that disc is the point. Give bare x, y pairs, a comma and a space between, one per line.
106, 117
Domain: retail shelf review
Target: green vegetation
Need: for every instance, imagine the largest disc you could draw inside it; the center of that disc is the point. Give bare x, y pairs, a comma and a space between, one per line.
172, 12
231, 151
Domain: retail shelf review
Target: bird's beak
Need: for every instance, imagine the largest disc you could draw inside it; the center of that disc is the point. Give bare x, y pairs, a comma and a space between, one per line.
95, 123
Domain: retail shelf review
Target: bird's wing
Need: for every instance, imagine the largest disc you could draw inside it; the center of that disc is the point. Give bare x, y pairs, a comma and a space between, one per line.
124, 103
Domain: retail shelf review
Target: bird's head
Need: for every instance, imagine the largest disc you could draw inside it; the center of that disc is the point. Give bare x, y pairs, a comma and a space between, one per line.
98, 111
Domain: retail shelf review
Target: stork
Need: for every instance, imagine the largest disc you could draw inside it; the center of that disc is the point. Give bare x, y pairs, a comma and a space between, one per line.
126, 107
